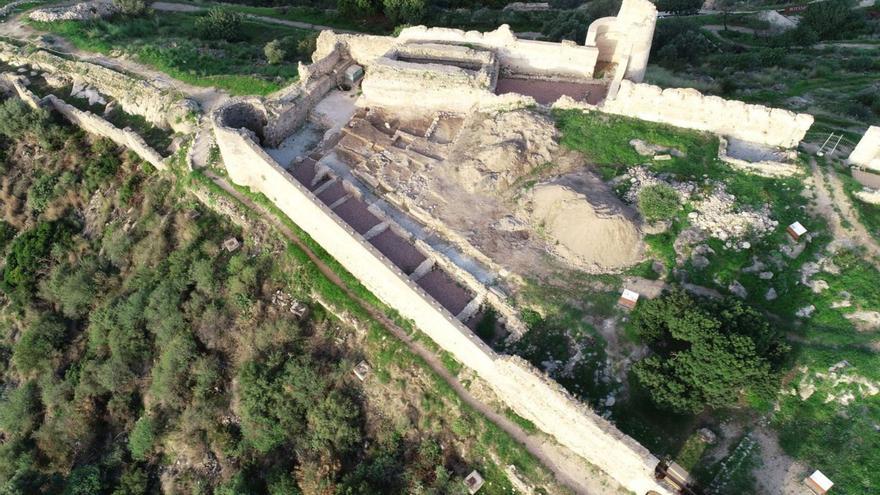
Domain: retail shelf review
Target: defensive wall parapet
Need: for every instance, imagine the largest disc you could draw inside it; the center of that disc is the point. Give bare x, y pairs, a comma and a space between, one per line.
88, 121
527, 391
163, 108
867, 152
688, 108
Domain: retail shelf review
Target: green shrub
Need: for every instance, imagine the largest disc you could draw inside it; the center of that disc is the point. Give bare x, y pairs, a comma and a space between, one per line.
220, 24
275, 52
29, 251
658, 202
142, 438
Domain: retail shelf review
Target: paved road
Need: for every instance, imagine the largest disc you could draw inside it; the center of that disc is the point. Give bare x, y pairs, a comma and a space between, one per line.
568, 468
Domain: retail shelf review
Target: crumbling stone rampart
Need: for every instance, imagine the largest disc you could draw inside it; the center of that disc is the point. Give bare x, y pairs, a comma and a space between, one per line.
521, 387
87, 121
867, 152
161, 107
688, 108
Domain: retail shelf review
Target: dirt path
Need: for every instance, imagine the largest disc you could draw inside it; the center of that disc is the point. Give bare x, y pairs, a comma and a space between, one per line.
207, 97
832, 203
568, 468
185, 7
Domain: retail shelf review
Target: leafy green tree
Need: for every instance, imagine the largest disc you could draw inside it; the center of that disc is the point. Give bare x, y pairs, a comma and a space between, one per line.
133, 481
705, 353
220, 24
29, 251
357, 8
84, 480
39, 344
658, 202
73, 287
19, 411
307, 46
142, 438
404, 11
832, 19
333, 423
679, 7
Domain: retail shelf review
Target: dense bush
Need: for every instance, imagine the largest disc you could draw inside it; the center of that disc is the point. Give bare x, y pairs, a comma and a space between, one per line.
220, 24
275, 52
706, 354
658, 202
29, 251
131, 7
679, 7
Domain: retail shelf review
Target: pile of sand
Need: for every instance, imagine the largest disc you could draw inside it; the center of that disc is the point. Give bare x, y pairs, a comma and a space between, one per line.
590, 237
493, 151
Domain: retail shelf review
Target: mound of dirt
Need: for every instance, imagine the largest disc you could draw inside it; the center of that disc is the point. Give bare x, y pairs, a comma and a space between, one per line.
494, 150
585, 225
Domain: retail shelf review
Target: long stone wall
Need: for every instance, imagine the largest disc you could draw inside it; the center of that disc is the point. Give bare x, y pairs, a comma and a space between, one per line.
867, 152
161, 107
685, 107
524, 389
88, 121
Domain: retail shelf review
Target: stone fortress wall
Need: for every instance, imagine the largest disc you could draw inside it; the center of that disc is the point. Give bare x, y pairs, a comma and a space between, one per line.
523, 388
87, 121
623, 42
161, 107
688, 108
867, 152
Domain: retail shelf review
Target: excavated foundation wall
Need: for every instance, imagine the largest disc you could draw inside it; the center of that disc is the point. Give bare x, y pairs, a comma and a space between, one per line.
524, 389
688, 108
867, 152
161, 107
291, 109
89, 122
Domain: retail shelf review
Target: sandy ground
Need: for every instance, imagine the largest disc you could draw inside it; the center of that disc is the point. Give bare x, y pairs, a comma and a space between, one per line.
779, 474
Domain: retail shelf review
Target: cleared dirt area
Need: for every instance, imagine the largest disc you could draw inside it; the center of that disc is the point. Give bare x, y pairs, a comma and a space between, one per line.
547, 92
399, 251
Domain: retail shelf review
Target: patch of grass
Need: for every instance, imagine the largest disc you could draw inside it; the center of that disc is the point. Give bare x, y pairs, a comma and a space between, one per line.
604, 141
523, 423
168, 41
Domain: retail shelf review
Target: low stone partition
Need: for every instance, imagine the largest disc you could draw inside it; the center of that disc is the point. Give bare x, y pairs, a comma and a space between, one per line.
867, 152
688, 108
524, 389
95, 124
161, 107
87, 121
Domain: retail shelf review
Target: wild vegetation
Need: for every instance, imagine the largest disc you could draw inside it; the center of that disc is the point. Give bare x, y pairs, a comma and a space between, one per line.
741, 57
139, 354
218, 47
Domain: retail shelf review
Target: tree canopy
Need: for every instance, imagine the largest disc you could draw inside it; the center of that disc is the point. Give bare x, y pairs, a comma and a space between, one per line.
705, 353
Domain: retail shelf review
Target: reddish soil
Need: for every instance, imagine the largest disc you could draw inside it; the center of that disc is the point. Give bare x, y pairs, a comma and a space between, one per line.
443, 288
400, 252
333, 193
355, 213
547, 92
305, 172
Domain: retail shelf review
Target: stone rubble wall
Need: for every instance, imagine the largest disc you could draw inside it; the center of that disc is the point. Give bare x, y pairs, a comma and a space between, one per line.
161, 107
688, 108
84, 11
527, 391
867, 152
517, 57
88, 122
